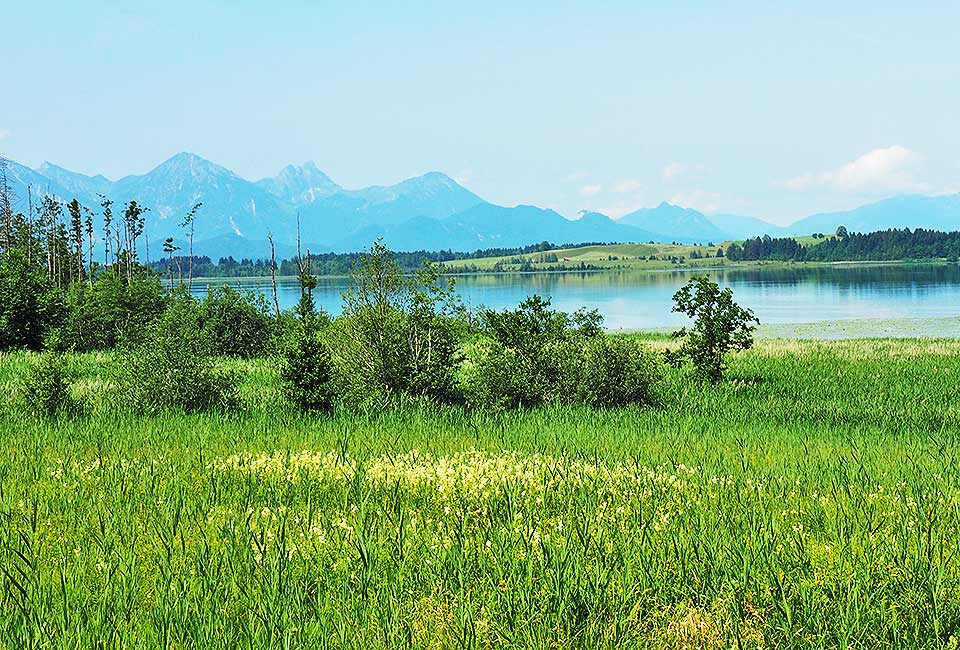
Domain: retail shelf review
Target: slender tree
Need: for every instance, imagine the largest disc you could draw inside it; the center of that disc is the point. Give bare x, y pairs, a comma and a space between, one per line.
134, 222
188, 222
273, 274
169, 248
105, 203
7, 200
88, 229
76, 238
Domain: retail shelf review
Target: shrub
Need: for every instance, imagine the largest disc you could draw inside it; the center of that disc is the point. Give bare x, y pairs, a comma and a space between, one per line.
306, 371
45, 387
236, 324
172, 367
114, 308
721, 326
398, 335
526, 358
615, 371
492, 377
29, 304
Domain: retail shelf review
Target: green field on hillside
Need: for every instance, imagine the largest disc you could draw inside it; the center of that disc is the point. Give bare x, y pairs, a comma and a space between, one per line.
611, 256
811, 500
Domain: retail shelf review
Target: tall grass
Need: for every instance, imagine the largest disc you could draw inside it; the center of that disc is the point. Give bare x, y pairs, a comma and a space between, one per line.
810, 501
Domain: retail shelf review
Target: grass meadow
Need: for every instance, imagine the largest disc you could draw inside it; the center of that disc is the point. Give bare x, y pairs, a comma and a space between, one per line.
811, 501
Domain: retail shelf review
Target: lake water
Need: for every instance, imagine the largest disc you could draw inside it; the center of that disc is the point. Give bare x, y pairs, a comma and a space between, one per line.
633, 300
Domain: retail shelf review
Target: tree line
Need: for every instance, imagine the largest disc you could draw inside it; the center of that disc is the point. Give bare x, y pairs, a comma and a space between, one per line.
884, 245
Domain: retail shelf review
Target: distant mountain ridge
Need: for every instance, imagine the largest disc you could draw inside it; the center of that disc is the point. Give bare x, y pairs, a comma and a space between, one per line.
427, 212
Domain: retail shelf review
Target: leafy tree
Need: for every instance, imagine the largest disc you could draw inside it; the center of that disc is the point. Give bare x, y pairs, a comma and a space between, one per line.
721, 326
841, 232
45, 387
29, 303
172, 366
397, 334
306, 369
236, 324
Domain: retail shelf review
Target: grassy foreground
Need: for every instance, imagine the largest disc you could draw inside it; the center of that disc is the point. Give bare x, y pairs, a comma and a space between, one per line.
813, 500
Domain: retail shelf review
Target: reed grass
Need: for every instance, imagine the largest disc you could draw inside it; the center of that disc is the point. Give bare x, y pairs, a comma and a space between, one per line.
812, 500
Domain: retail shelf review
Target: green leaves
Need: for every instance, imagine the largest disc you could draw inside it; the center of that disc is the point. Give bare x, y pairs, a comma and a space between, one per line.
721, 326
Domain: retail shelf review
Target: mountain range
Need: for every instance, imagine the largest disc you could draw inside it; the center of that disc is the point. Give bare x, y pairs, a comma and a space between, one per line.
430, 212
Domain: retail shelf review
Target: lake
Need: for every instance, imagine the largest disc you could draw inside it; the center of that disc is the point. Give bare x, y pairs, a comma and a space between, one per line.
635, 300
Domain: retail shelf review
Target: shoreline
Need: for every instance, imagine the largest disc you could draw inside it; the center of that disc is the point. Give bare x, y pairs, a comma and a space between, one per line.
934, 327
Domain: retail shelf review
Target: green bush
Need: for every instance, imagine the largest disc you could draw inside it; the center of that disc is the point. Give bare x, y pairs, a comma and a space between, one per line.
398, 336
236, 324
114, 308
721, 326
29, 304
614, 371
527, 355
45, 387
492, 377
306, 370
172, 366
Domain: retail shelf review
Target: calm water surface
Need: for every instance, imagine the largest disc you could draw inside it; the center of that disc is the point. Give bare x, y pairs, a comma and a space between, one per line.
630, 300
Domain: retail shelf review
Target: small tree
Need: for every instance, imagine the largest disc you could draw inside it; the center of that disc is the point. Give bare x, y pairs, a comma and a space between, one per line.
721, 326
189, 222
306, 370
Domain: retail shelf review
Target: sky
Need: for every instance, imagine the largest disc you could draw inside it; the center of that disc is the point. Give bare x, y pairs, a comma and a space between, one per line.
770, 109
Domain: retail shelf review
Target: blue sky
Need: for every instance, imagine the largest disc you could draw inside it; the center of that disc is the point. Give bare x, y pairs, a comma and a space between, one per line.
750, 108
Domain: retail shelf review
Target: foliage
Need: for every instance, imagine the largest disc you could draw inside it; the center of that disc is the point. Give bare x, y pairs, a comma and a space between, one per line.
306, 371
29, 303
236, 324
172, 367
789, 513
398, 335
110, 309
614, 371
45, 386
886, 245
523, 360
721, 326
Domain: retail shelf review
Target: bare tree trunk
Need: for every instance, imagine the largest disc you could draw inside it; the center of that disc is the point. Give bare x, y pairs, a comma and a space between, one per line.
29, 224
273, 274
190, 263
299, 259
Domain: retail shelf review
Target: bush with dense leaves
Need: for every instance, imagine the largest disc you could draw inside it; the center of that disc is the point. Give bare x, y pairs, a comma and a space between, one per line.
398, 335
45, 387
306, 371
613, 371
172, 366
29, 304
112, 309
524, 356
236, 324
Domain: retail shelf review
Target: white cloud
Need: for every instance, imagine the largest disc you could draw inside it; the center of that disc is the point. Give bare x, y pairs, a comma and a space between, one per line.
628, 186
573, 177
675, 170
463, 177
621, 208
4, 134
591, 190
698, 199
672, 171
887, 169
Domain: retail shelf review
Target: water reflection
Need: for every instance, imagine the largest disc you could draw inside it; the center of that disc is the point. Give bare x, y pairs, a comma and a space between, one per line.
643, 299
